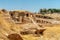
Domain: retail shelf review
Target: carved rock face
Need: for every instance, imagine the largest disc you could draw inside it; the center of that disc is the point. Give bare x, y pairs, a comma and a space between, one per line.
14, 37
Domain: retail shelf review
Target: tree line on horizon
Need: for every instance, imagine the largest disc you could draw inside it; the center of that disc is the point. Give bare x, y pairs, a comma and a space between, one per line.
43, 11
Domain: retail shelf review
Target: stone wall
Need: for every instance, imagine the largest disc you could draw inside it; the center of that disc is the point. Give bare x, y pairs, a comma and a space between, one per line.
20, 17
23, 17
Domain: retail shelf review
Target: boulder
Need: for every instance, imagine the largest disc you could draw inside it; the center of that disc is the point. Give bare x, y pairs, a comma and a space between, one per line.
14, 37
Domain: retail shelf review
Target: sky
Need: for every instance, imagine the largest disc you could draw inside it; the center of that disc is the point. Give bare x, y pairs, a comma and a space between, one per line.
30, 5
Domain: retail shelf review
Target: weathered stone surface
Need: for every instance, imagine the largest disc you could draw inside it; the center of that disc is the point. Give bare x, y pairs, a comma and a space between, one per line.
14, 37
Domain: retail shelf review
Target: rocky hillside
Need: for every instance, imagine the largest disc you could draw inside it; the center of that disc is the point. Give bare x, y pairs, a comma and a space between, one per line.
25, 25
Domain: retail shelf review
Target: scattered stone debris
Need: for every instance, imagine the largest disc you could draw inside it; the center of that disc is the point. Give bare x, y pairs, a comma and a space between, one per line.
40, 31
32, 31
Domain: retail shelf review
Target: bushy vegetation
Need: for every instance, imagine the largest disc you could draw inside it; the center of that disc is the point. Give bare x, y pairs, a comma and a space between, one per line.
43, 11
